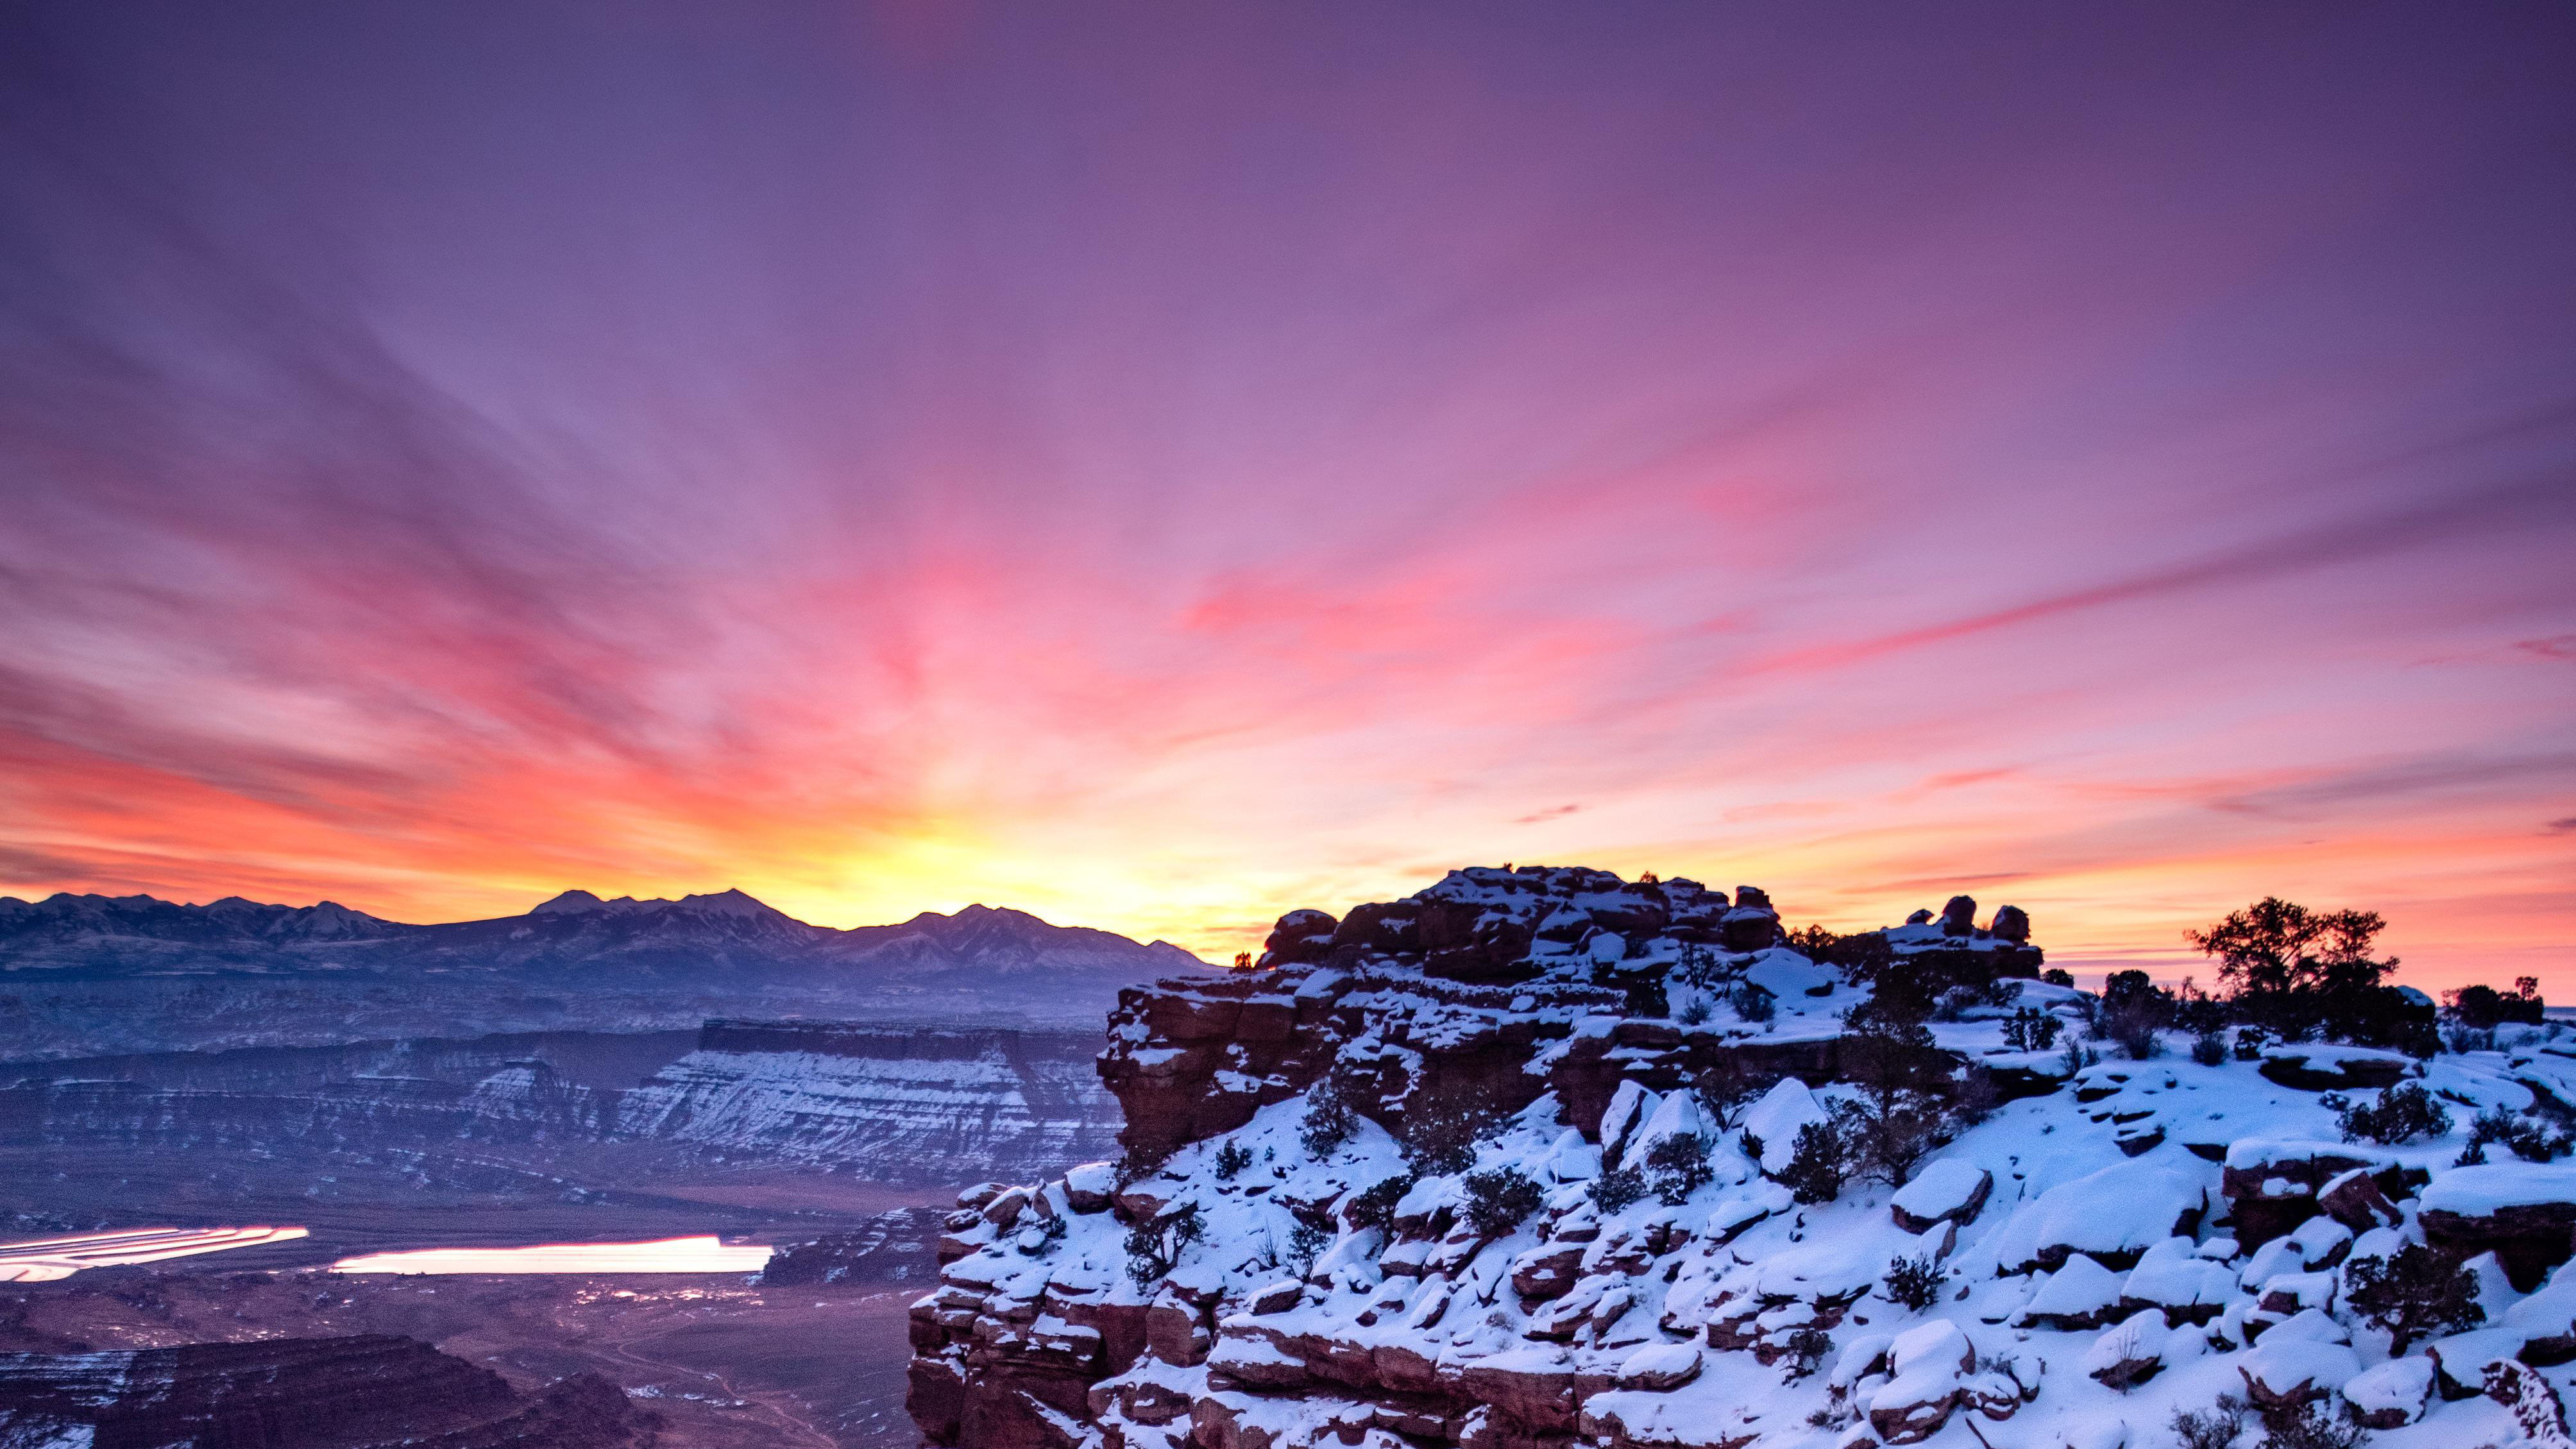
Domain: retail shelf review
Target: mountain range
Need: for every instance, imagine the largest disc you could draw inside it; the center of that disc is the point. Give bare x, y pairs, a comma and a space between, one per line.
576, 939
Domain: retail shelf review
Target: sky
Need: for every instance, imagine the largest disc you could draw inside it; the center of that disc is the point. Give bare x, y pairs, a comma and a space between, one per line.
1161, 465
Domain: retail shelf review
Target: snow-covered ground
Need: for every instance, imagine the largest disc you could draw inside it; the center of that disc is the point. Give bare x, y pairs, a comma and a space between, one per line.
2095, 1242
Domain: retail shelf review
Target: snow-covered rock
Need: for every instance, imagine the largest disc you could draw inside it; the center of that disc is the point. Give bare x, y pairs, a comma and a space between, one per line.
2130, 1353
1946, 1191
2392, 1395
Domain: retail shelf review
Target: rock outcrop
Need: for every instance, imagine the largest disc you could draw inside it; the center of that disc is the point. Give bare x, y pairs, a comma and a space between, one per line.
1539, 1155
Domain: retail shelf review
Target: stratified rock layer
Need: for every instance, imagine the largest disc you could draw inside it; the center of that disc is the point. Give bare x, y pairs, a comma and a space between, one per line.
309, 1393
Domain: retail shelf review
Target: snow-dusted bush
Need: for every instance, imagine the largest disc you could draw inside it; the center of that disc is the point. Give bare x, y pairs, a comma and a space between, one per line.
2416, 1291
1497, 1200
1306, 1243
1915, 1282
1374, 1207
1678, 1166
2215, 1427
2402, 1114
2527, 1137
2209, 1049
1752, 1002
1154, 1246
2314, 1427
1819, 1162
1329, 1119
1618, 1188
1231, 1160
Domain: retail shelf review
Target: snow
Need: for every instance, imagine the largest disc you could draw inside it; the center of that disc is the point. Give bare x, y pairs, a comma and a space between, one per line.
2282, 1364
1656, 1308
2483, 1191
2402, 1384
1943, 1188
1776, 1118
2081, 1289
2120, 1211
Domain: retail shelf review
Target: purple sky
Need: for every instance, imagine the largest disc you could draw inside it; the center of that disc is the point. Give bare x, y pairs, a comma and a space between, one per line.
1162, 465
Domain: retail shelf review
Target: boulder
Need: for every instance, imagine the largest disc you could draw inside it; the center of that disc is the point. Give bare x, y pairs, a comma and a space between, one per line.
2114, 1215
2336, 1068
2393, 1395
2286, 1374
2523, 1212
2357, 1201
1748, 928
2129, 1354
1533, 1387
1299, 937
1547, 1270
2082, 1294
2272, 1185
1928, 1365
2011, 923
1089, 1188
1660, 1367
1776, 1118
1959, 916
1947, 1191
1276, 1297
2174, 1277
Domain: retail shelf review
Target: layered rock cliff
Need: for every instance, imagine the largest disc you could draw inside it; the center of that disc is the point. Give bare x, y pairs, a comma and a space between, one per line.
316, 1393
533, 1112
1538, 1155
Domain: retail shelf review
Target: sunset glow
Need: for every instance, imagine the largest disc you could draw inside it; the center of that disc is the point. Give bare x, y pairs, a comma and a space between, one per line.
1158, 471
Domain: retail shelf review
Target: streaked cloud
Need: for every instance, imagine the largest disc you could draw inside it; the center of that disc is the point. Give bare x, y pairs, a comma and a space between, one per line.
1161, 470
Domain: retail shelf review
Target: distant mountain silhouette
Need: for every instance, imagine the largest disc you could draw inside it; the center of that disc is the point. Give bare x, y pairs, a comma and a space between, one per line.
574, 940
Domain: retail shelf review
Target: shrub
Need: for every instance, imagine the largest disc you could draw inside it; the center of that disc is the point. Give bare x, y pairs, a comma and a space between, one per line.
1374, 1207
1819, 1163
1700, 967
1154, 1246
1646, 997
1915, 1282
1725, 1098
2527, 1137
2251, 1043
2461, 1040
2215, 1427
1752, 1002
2209, 1049
2402, 1114
2416, 1291
1306, 1243
1439, 1135
1694, 1011
1329, 1119
2313, 1427
1807, 1348
1618, 1188
1498, 1200
2198, 1012
2133, 1011
1678, 1166
1135, 1163
1231, 1160
2032, 1030
2057, 977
